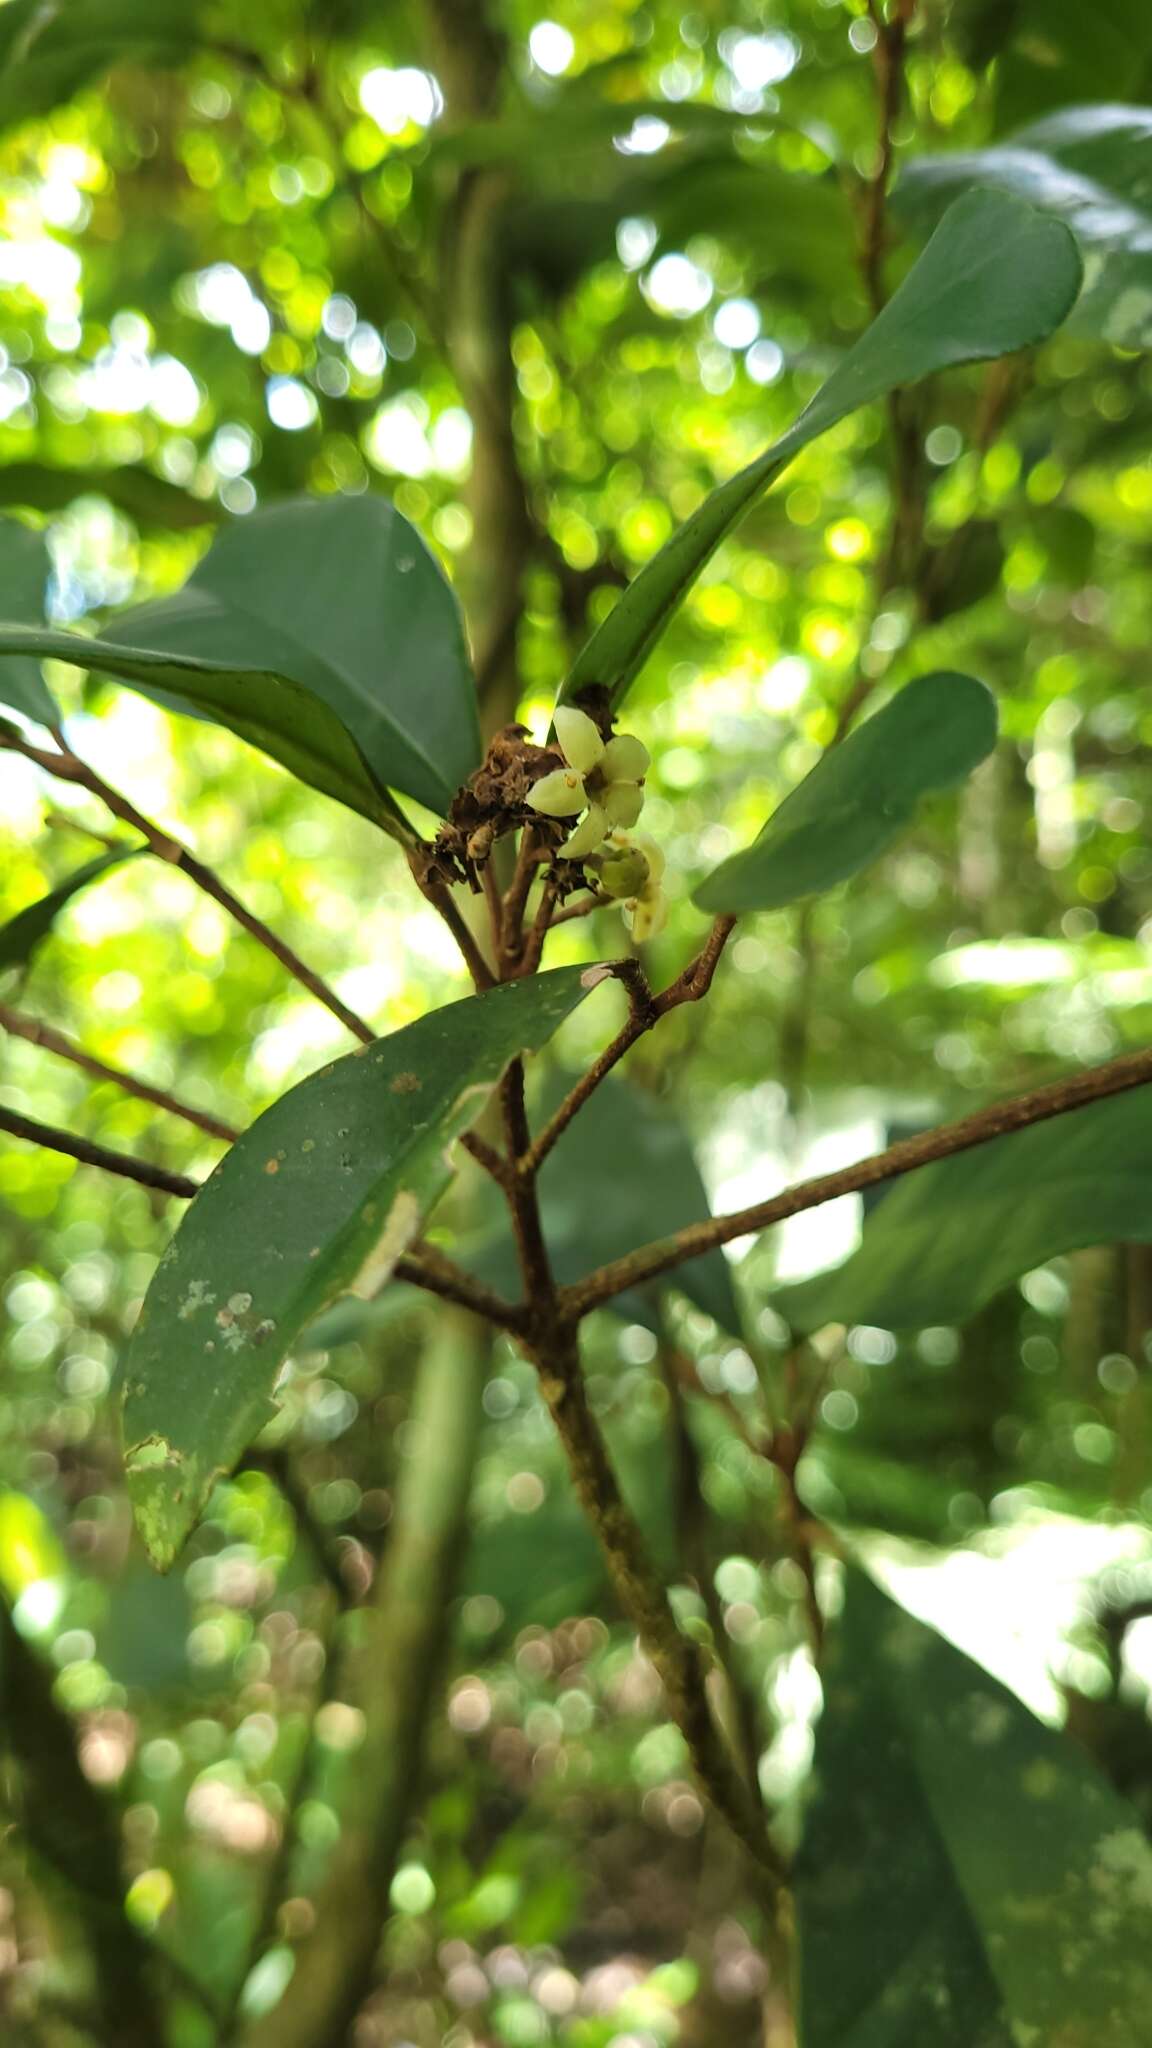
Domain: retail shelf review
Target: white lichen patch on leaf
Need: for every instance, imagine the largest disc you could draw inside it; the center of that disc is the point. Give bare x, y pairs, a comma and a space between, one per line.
400, 1227
988, 1720
1124, 1860
199, 1296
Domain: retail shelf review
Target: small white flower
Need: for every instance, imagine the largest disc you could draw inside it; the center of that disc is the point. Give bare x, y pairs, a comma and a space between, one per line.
606, 779
590, 833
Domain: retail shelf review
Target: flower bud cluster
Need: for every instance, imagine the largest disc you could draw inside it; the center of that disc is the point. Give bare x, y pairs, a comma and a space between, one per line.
605, 779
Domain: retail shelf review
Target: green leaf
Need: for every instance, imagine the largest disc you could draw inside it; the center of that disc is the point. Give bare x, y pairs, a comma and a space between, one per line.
280, 717
995, 277
25, 566
148, 499
947, 1237
340, 596
22, 934
860, 796
965, 1877
48, 52
318, 1199
1086, 166
1061, 50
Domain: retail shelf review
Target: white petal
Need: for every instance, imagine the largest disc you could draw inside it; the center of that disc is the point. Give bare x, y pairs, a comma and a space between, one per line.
558, 795
623, 801
626, 759
590, 834
580, 742
647, 915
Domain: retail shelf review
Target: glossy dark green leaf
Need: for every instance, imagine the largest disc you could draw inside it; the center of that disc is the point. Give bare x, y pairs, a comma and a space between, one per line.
860, 796
571, 123
962, 570
624, 1169
25, 565
48, 52
318, 1199
965, 1876
280, 717
1086, 166
148, 499
22, 934
995, 277
946, 1238
341, 596
1062, 51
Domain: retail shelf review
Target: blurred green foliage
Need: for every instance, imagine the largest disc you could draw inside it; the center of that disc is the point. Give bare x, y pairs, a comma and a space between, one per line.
223, 276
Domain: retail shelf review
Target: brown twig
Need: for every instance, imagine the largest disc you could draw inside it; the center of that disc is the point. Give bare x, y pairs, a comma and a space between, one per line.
677, 1660
50, 1040
68, 767
440, 897
430, 1269
486, 1155
888, 59
645, 1010
571, 911
121, 1163
1131, 1070
528, 856
541, 926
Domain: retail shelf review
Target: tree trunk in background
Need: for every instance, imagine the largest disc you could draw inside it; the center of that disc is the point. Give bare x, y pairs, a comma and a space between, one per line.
73, 1834
399, 1669
467, 55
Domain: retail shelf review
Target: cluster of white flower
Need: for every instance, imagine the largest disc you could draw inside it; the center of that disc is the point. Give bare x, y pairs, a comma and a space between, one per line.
605, 778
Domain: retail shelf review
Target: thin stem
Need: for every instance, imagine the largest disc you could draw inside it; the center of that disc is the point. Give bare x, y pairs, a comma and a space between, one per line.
645, 1010
644, 1599
36, 1032
121, 1163
528, 856
68, 767
571, 911
540, 928
486, 1155
693, 1524
888, 58
495, 903
440, 897
1131, 1070
436, 1274
430, 1269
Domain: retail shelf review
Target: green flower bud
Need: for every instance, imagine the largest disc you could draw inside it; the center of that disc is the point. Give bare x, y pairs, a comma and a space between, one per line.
624, 873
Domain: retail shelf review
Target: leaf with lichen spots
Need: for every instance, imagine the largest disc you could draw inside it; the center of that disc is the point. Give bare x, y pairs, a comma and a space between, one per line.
317, 1200
967, 1878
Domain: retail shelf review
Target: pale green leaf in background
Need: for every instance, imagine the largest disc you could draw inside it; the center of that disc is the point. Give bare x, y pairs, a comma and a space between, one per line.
966, 1878
949, 1236
996, 277
860, 796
